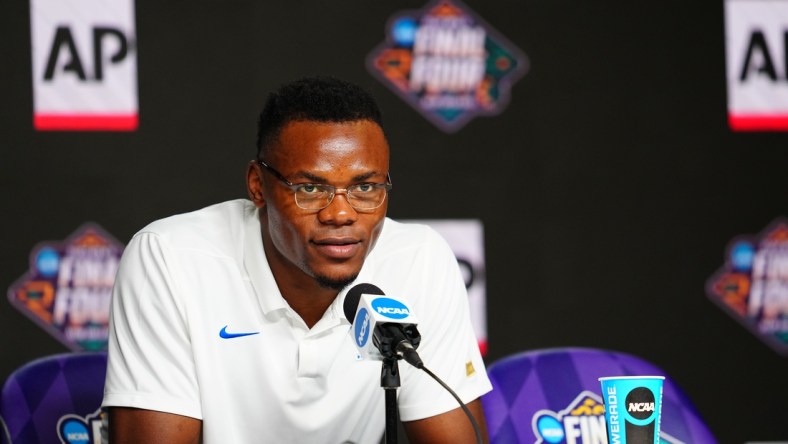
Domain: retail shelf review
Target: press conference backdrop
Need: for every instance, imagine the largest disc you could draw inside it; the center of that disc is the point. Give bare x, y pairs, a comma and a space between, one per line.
625, 177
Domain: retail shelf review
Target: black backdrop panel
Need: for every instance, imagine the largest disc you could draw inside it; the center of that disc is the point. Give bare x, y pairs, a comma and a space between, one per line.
609, 187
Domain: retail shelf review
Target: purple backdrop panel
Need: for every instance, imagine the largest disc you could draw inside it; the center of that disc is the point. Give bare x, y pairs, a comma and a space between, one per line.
38, 395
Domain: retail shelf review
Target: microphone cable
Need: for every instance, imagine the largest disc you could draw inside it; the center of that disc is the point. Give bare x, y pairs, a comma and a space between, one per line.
465, 409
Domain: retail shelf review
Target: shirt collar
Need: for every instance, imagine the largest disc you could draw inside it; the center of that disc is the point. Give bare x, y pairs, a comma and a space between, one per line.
256, 265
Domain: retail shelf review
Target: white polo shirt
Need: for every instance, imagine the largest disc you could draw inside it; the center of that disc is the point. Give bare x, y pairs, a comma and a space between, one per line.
190, 285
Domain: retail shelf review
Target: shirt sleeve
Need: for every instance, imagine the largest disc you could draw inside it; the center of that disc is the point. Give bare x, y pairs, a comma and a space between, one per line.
448, 347
150, 363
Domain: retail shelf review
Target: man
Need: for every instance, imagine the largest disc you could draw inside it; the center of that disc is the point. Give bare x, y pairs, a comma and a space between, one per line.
227, 323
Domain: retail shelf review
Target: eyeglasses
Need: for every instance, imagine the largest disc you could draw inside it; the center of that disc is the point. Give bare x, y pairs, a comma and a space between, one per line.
316, 196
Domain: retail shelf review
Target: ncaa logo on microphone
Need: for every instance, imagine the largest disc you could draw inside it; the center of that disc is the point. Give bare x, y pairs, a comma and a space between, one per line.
390, 308
362, 328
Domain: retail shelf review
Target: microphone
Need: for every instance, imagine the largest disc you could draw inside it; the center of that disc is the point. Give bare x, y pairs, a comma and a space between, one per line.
389, 322
392, 325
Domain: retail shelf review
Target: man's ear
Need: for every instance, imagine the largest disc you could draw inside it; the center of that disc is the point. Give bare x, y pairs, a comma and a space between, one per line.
254, 184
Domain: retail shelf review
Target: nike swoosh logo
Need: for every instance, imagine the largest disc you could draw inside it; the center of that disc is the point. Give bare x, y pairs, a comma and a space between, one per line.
225, 335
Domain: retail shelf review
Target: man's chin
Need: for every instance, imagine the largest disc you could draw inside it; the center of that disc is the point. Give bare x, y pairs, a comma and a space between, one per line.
335, 283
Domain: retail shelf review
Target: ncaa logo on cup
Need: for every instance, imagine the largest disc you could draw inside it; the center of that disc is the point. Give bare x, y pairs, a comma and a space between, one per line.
362, 327
390, 308
640, 403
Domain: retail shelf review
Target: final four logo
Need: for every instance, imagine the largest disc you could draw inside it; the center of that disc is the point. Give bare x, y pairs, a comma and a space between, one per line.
447, 63
67, 289
752, 286
583, 421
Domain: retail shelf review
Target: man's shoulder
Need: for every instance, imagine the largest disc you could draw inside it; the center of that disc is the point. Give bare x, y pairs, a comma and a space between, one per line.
398, 228
218, 223
408, 235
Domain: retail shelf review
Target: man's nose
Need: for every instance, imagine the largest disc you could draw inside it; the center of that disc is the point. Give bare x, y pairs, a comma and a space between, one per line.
339, 211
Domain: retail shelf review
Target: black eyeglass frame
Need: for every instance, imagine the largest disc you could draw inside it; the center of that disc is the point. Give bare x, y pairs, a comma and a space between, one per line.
294, 187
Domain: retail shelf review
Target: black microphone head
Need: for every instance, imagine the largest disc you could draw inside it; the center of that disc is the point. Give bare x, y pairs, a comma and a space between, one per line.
353, 297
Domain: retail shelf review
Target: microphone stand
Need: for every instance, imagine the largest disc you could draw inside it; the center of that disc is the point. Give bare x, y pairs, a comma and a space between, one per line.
389, 380
395, 342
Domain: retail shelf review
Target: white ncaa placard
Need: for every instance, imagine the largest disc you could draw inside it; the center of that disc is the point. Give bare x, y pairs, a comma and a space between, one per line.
756, 45
84, 65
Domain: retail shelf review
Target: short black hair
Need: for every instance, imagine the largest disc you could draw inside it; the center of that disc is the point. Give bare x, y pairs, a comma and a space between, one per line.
314, 98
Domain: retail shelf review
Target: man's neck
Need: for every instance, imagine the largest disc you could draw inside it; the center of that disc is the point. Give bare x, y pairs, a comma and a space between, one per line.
310, 304
302, 292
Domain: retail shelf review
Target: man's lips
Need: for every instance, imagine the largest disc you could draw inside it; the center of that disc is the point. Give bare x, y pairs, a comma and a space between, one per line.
338, 248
